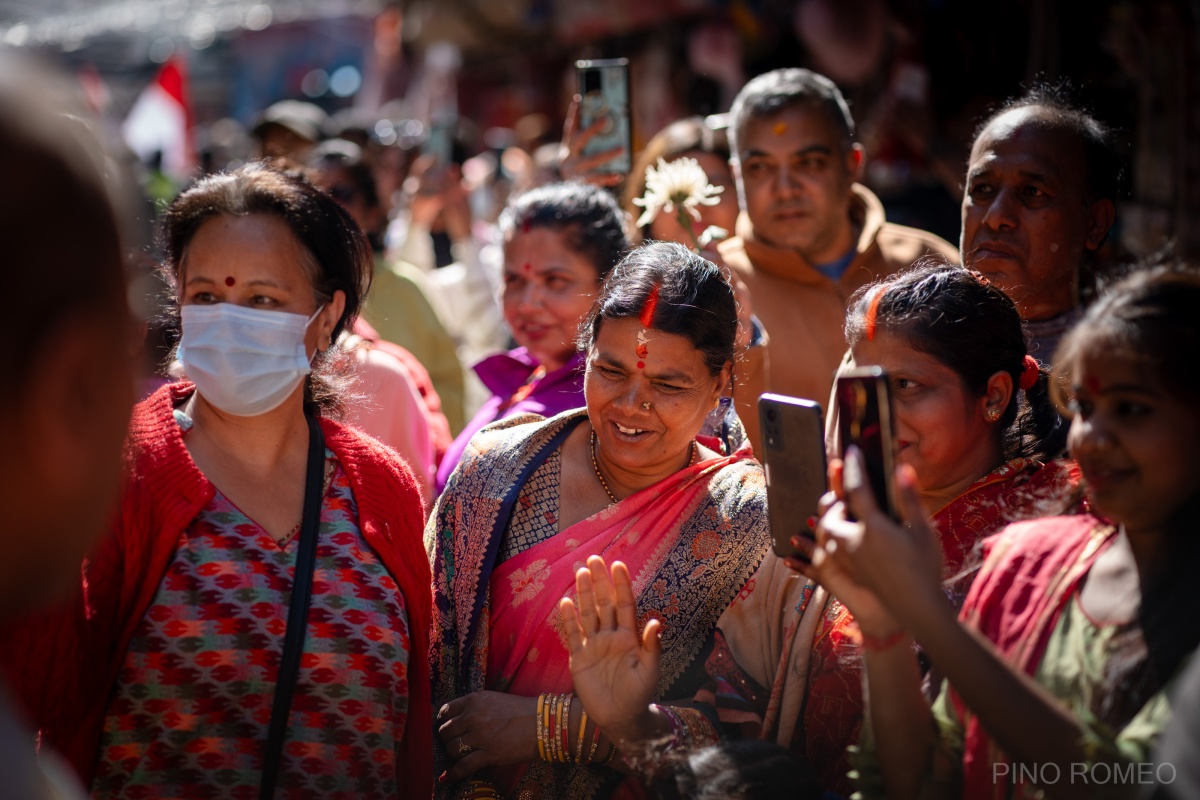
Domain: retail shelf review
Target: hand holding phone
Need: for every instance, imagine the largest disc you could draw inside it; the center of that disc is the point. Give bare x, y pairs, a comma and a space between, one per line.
865, 422
604, 115
793, 436
439, 143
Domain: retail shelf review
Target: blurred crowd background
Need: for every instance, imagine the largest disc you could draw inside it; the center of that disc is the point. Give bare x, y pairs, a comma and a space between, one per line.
190, 87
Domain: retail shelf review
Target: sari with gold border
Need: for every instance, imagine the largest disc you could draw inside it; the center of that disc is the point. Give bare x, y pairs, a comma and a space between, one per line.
690, 541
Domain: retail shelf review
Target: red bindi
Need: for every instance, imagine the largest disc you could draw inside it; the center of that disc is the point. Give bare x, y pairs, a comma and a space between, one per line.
527, 267
229, 281
641, 365
1092, 383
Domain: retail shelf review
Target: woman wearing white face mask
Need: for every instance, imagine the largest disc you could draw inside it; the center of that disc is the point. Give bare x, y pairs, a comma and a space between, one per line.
258, 615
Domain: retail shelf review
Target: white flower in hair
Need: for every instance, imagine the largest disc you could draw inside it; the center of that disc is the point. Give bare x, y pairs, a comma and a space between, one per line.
677, 187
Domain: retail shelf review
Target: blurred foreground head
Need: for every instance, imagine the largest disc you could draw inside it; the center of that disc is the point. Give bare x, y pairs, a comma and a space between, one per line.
67, 363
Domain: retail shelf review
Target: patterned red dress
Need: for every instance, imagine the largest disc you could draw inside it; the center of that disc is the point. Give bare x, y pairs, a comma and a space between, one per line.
162, 665
193, 697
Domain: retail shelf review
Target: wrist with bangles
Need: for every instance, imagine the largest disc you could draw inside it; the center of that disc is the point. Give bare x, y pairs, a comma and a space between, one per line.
555, 742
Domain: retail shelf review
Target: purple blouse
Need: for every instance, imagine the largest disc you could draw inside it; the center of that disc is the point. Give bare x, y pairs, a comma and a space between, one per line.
504, 374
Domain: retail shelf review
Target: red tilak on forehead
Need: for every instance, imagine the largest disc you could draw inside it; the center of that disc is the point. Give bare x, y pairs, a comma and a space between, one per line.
646, 318
647, 315
872, 311
229, 281
527, 266
1092, 383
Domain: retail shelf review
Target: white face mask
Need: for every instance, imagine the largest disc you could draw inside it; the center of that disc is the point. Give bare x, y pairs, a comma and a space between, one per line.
245, 361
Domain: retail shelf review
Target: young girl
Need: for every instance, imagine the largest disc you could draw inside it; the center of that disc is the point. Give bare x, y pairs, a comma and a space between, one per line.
1057, 670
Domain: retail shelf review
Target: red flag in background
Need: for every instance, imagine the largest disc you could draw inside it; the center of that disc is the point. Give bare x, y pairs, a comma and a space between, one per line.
161, 121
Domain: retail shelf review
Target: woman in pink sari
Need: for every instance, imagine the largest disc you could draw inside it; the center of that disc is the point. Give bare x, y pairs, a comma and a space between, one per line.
627, 477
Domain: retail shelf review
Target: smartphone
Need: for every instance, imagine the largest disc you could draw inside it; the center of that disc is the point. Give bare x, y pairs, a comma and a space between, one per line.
440, 141
604, 93
793, 435
865, 421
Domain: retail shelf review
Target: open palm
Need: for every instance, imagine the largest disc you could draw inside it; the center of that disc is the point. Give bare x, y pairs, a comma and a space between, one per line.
615, 671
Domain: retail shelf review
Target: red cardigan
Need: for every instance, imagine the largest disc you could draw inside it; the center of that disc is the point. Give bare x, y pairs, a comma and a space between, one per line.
63, 663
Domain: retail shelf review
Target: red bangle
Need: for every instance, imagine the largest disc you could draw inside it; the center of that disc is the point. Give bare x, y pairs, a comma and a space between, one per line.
887, 643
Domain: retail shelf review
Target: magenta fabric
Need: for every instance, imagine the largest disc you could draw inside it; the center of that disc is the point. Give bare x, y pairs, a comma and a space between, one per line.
503, 374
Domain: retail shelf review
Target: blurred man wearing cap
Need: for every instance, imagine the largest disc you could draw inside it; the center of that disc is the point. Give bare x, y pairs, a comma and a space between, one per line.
289, 129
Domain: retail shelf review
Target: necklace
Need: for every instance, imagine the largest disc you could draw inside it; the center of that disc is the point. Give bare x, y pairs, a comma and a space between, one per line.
604, 483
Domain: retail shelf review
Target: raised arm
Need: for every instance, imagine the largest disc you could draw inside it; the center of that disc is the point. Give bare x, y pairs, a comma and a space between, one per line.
899, 714
900, 566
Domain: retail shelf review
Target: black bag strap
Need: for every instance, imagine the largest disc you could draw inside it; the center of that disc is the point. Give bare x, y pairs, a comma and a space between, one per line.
297, 622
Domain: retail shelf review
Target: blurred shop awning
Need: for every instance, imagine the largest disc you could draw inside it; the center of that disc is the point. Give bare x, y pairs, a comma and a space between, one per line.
70, 24
473, 25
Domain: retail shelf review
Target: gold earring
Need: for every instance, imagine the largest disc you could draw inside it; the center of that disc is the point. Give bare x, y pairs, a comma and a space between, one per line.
992, 414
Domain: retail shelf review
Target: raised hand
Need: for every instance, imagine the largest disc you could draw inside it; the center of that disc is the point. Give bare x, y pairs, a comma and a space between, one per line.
426, 188
577, 166
615, 671
871, 564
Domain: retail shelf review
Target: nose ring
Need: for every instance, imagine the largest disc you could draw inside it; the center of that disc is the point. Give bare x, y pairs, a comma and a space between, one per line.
647, 406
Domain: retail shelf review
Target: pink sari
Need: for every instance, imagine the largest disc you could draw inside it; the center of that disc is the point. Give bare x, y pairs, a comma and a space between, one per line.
643, 531
691, 542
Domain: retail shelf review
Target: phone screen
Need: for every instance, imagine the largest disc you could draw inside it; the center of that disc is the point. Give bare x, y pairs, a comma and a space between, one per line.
604, 95
864, 420
440, 142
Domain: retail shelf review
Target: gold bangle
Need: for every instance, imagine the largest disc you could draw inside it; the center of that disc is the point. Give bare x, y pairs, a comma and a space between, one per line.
555, 715
595, 743
482, 789
582, 730
550, 727
564, 730
550, 703
541, 744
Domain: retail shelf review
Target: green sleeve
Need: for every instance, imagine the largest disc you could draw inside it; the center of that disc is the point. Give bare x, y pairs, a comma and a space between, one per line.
948, 745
